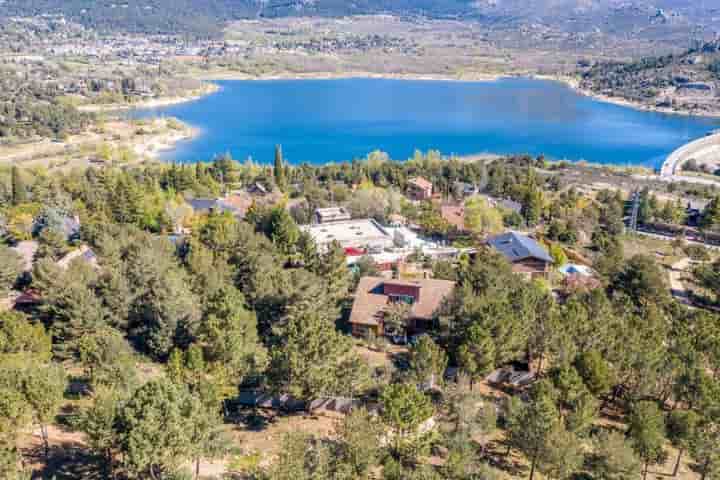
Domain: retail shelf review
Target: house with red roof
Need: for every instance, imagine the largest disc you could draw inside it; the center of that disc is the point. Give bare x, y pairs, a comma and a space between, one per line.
419, 189
376, 295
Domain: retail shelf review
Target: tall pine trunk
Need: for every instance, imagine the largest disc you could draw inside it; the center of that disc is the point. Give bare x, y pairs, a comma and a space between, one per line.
705, 469
532, 466
677, 463
46, 441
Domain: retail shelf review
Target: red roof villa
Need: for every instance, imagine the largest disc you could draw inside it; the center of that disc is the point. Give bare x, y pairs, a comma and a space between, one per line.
375, 294
419, 189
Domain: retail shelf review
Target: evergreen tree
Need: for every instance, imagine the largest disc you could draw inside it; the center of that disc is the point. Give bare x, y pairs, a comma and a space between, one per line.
14, 417
710, 218
229, 335
594, 371
70, 303
98, 423
705, 441
290, 464
614, 457
427, 361
562, 454
155, 427
530, 426
43, 387
10, 269
284, 232
306, 361
681, 428
647, 431
476, 356
404, 409
333, 269
532, 202
279, 169
19, 189
22, 339
359, 434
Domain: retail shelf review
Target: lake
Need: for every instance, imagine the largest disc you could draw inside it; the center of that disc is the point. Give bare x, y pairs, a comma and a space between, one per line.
321, 121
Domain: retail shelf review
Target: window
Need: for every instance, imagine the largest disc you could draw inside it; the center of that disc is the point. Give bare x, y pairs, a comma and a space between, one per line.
407, 299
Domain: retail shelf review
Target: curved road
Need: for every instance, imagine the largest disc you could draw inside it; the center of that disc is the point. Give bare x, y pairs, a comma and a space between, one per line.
699, 149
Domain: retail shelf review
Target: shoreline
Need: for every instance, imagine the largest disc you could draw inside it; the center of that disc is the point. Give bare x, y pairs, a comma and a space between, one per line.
157, 144
86, 149
209, 89
156, 147
574, 84
569, 81
212, 88
239, 76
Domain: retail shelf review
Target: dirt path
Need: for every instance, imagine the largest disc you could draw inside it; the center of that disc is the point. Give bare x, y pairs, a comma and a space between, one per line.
676, 272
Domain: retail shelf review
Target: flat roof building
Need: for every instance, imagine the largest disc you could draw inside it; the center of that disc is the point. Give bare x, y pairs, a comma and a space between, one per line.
365, 233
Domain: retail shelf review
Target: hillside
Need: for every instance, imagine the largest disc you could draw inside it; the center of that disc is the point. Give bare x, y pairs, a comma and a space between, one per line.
208, 16
659, 19
689, 81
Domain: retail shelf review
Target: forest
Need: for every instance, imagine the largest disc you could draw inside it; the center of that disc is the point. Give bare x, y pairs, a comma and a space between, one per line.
29, 109
144, 347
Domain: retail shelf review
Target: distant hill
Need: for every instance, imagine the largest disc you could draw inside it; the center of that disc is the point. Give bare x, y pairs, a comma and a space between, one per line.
208, 16
689, 81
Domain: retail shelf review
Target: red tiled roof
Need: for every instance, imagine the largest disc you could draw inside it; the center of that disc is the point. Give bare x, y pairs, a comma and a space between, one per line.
454, 215
421, 182
370, 301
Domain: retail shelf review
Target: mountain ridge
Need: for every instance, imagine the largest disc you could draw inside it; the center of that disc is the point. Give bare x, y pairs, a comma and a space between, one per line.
209, 16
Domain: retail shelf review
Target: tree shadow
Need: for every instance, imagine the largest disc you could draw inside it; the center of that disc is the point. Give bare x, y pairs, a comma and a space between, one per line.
66, 461
400, 360
497, 456
253, 420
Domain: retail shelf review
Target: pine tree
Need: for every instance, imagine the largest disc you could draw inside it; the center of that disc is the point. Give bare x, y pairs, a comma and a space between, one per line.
10, 268
476, 355
404, 409
19, 189
647, 431
531, 425
156, 429
427, 361
279, 169
307, 362
614, 457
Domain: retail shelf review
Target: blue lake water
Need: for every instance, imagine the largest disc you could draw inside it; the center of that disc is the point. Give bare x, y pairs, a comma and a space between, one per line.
321, 121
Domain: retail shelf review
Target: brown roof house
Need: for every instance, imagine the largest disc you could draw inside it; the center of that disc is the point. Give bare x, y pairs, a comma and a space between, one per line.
527, 256
376, 295
454, 215
419, 189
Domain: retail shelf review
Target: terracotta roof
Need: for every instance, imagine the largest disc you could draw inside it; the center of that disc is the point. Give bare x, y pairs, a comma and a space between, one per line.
370, 301
240, 203
454, 215
421, 182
